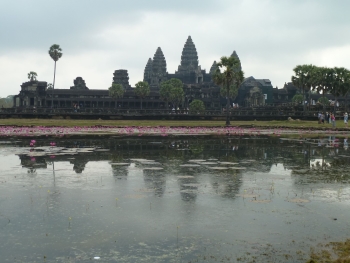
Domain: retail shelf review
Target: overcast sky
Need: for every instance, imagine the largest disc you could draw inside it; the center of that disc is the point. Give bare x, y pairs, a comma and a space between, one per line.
271, 37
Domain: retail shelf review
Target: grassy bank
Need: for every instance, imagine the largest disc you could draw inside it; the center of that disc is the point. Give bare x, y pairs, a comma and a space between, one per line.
80, 123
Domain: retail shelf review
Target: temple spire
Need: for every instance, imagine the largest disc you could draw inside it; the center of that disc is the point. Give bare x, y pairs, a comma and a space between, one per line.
159, 72
189, 57
159, 63
148, 71
234, 54
213, 68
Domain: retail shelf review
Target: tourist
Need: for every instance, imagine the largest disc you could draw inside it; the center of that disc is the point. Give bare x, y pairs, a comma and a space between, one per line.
346, 117
346, 145
319, 117
327, 117
333, 120
322, 118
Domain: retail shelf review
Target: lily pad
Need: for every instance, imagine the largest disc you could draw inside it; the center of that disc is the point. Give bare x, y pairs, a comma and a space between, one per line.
153, 168
218, 168
189, 165
227, 163
264, 201
237, 168
298, 200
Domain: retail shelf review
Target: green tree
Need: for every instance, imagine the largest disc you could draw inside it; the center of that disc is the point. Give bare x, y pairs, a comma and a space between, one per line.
142, 90
323, 101
55, 53
321, 79
166, 87
177, 95
6, 102
32, 76
298, 98
345, 88
339, 83
227, 74
197, 106
302, 79
233, 91
116, 91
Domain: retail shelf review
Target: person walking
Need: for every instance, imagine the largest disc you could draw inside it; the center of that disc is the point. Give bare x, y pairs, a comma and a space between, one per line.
333, 120
346, 118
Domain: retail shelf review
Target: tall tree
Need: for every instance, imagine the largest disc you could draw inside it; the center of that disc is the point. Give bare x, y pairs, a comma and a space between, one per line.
166, 87
142, 90
303, 79
339, 83
177, 95
32, 76
55, 53
345, 88
116, 91
321, 79
227, 74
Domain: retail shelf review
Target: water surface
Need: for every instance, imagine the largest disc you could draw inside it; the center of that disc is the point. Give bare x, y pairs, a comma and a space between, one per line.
172, 200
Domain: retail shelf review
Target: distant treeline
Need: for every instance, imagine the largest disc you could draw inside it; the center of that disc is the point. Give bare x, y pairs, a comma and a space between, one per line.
6, 102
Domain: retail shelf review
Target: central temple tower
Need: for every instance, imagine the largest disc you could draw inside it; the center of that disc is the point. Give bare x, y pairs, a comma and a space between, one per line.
189, 71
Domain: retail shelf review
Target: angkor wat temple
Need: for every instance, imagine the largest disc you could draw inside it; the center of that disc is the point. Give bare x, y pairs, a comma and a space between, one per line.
197, 84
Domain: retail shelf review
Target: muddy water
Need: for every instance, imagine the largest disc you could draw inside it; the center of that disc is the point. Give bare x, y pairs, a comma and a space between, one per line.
172, 200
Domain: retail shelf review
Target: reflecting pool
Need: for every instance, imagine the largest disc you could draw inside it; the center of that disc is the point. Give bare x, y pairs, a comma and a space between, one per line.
172, 199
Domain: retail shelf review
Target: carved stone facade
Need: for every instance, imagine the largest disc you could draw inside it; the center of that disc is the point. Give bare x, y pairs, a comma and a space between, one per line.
255, 92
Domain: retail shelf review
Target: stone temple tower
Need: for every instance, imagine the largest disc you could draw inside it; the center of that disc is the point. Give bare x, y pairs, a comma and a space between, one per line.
121, 76
213, 68
189, 71
158, 73
234, 54
148, 71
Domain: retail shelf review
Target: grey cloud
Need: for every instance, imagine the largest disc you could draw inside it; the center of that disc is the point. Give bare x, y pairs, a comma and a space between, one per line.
34, 24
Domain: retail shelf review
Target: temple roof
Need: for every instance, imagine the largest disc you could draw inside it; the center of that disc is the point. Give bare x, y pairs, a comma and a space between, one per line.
159, 63
189, 57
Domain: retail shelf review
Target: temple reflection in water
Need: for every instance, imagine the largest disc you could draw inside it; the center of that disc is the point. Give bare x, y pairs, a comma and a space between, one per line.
190, 160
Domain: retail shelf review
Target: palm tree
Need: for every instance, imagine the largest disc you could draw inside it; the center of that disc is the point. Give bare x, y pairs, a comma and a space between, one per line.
32, 76
232, 75
116, 91
55, 53
142, 90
